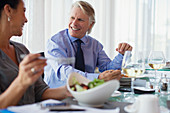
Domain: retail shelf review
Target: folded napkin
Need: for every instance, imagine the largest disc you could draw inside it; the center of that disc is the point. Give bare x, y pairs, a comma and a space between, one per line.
140, 82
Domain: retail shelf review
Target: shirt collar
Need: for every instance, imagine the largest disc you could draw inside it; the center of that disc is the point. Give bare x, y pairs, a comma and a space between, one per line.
84, 39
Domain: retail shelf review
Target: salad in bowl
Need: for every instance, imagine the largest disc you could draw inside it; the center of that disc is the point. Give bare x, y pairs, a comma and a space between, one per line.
90, 93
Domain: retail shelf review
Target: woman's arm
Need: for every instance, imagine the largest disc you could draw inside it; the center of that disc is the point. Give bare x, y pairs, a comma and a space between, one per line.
25, 78
56, 93
13, 94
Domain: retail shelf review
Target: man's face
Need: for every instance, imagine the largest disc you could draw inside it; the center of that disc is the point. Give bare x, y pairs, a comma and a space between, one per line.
79, 23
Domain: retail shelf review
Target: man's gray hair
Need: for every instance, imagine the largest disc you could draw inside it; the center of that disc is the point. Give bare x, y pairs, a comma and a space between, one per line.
87, 9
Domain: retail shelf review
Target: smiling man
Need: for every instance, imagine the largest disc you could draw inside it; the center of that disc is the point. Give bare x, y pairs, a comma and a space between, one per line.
89, 53
80, 22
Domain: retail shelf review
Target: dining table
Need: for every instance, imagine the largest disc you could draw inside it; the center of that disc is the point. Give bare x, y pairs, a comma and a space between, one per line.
117, 101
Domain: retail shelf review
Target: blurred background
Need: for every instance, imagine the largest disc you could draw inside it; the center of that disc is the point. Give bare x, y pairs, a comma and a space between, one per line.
145, 24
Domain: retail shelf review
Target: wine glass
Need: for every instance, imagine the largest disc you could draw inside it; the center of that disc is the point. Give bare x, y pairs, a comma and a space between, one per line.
133, 66
156, 61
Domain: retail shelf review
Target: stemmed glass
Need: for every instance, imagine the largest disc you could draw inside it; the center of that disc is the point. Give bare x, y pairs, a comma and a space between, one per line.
156, 61
133, 66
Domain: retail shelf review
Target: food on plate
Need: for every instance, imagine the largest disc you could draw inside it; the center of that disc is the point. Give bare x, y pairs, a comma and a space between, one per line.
82, 87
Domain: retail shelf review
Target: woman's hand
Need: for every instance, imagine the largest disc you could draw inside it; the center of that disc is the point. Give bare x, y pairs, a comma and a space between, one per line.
110, 74
30, 69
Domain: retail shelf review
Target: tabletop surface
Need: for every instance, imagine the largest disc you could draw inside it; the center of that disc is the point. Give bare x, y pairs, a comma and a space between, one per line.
121, 102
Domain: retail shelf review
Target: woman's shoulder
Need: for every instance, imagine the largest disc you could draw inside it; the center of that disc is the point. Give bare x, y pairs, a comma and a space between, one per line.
16, 43
19, 46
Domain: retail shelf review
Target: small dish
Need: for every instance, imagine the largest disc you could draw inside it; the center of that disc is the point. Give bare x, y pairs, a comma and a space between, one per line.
144, 89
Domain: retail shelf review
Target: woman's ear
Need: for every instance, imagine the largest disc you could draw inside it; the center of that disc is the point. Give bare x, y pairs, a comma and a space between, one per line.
8, 10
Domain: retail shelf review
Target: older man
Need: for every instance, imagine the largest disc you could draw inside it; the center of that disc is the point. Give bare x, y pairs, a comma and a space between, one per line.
89, 53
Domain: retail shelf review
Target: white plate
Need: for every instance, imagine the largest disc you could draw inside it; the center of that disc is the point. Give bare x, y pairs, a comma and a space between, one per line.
144, 89
116, 94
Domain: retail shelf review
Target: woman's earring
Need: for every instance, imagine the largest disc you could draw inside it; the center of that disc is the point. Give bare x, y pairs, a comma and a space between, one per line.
9, 19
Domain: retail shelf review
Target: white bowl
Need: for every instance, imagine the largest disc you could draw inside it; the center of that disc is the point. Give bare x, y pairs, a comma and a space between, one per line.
94, 97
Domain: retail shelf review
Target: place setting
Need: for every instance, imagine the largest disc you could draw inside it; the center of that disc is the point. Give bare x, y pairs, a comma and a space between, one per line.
149, 99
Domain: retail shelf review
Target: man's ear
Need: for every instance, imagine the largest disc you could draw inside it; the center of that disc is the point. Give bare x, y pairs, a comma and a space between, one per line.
91, 25
8, 10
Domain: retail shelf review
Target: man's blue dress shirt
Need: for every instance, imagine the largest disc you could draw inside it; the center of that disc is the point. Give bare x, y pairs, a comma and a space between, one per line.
63, 45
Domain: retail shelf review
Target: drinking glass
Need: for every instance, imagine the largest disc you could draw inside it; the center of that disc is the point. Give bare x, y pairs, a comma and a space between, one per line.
156, 61
133, 66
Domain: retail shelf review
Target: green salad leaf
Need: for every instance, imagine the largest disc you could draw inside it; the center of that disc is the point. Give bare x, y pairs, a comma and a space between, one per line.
95, 82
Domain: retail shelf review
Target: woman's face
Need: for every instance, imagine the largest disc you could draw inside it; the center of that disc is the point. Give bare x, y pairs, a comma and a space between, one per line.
79, 23
18, 19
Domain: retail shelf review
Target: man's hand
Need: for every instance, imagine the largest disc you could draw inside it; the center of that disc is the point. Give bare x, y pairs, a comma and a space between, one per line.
110, 74
122, 47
